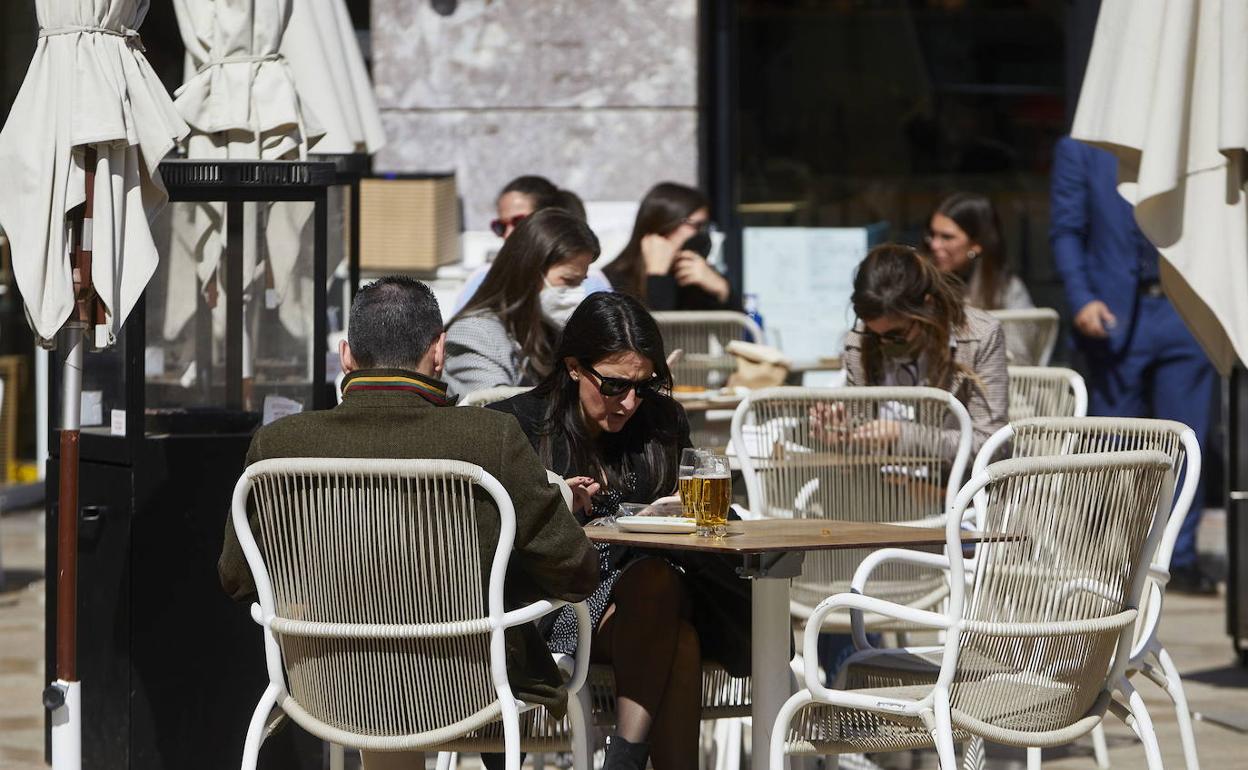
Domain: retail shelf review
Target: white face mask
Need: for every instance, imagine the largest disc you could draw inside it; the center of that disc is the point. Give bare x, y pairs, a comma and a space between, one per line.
558, 302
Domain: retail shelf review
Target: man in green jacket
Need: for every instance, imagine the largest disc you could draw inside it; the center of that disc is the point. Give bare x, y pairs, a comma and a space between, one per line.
393, 407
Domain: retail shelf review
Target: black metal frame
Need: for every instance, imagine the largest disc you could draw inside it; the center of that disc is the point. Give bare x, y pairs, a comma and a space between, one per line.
718, 138
235, 183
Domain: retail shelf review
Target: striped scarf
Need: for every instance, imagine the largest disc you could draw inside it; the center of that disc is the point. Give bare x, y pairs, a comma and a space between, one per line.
378, 382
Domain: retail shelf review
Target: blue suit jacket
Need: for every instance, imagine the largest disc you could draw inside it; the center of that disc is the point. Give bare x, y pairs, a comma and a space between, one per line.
1097, 247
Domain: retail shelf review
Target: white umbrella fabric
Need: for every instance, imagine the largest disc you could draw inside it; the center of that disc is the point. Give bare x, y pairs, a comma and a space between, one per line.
79, 158
88, 85
241, 102
1166, 90
331, 78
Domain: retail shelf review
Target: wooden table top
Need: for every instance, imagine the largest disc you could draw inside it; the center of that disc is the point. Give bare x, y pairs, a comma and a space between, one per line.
781, 535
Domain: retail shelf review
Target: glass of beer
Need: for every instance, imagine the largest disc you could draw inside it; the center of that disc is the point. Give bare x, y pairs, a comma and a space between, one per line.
712, 492
689, 461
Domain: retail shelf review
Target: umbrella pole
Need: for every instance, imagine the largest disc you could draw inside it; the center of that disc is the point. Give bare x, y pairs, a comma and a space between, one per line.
63, 697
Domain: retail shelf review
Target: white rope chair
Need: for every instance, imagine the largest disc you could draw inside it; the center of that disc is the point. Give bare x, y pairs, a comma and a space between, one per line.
800, 459
703, 336
1046, 391
379, 630
1030, 334
1035, 437
1039, 623
493, 395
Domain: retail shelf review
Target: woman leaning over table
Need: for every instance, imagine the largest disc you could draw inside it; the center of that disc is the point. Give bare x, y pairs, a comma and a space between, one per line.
603, 420
913, 329
505, 335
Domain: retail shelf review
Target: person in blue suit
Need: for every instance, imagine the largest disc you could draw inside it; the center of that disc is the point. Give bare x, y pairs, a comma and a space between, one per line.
1142, 360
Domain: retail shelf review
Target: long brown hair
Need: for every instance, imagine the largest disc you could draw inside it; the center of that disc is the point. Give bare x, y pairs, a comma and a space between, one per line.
897, 280
512, 288
605, 324
988, 277
663, 209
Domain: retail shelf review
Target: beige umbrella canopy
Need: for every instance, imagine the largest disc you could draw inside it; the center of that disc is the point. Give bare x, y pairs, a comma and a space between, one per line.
241, 102
330, 76
78, 160
1166, 90
88, 86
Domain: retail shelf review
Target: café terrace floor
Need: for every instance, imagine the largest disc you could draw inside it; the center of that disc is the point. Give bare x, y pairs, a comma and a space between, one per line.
1193, 629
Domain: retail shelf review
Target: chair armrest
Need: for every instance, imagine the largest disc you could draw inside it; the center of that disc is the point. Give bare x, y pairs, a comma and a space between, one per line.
869, 564
539, 609
532, 612
583, 629
564, 489
745, 513
1159, 573
857, 603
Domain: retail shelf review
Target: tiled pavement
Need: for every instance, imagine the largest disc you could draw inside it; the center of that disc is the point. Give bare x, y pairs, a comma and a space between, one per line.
1193, 630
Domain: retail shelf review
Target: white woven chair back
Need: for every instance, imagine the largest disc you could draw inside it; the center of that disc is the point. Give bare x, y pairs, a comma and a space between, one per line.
1046, 391
493, 395
1030, 334
377, 588
703, 336
807, 453
1065, 436
1079, 435
1047, 623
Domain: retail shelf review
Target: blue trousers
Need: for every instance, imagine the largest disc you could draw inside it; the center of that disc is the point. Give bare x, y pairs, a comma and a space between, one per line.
1162, 373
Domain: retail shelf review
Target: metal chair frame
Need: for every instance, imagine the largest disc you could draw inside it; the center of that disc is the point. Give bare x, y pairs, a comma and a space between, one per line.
293, 472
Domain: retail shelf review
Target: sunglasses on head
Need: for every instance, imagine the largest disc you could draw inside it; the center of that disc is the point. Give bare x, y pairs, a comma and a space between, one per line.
613, 387
499, 226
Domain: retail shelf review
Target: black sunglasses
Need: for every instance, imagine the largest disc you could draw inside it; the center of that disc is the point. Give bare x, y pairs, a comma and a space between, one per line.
893, 337
613, 387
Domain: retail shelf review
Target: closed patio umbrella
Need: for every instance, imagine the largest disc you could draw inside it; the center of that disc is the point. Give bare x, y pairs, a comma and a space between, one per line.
325, 58
240, 101
1166, 91
79, 157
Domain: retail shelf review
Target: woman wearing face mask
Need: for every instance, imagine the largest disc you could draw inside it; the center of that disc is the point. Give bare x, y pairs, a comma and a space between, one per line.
522, 197
964, 238
505, 334
913, 329
661, 265
603, 420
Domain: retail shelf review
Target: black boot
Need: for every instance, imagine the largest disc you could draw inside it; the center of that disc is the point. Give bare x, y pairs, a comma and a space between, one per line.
623, 755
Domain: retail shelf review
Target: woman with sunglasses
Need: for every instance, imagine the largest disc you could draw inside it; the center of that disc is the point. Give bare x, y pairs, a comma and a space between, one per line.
505, 335
664, 263
914, 329
603, 420
522, 197
964, 238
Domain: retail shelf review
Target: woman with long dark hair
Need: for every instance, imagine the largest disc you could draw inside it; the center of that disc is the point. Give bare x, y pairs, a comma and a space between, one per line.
661, 264
602, 418
913, 329
964, 238
505, 334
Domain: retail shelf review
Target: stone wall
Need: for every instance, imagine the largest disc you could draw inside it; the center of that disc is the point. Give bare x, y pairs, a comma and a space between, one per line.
599, 95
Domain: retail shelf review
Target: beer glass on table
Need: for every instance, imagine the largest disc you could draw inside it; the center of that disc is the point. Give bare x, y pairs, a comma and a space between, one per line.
711, 491
689, 460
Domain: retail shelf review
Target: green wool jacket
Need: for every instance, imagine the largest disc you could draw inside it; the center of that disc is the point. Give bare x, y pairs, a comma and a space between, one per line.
551, 558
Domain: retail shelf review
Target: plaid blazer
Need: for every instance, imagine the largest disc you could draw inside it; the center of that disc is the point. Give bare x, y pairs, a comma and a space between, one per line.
980, 348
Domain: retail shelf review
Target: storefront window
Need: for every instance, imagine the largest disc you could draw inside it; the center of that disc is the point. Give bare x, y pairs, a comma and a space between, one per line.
855, 112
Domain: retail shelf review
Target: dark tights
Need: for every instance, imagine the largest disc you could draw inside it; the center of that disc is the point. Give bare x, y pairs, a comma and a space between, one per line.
647, 638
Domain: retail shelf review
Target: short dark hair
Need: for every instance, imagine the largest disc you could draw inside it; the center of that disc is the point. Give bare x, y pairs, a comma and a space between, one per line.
541, 191
394, 321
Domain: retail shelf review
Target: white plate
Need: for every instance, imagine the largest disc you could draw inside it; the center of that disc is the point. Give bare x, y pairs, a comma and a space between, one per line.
669, 524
